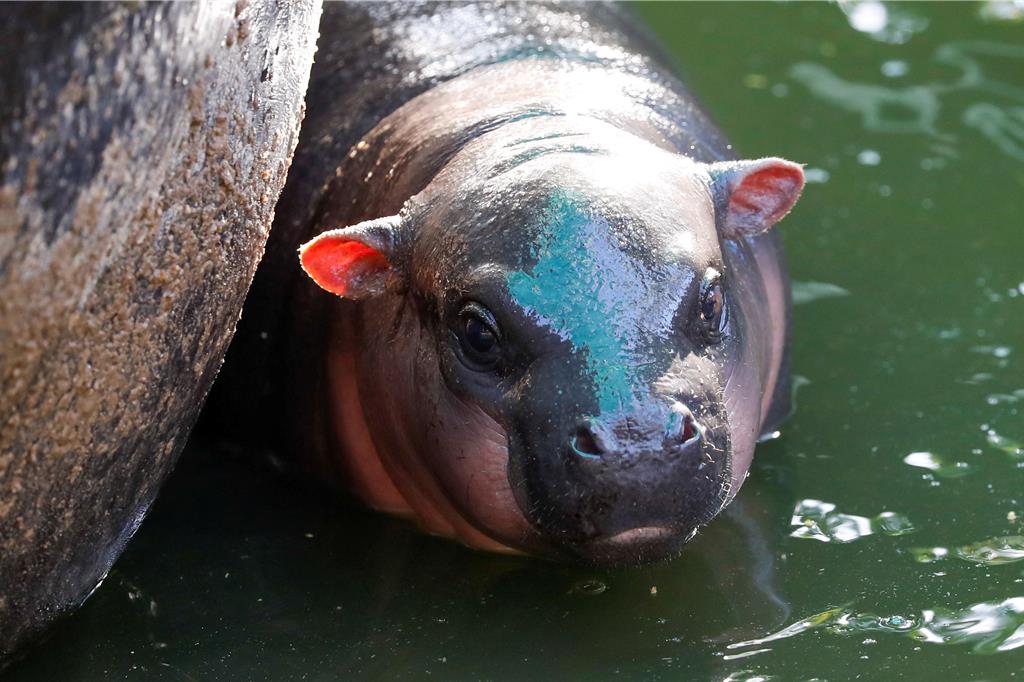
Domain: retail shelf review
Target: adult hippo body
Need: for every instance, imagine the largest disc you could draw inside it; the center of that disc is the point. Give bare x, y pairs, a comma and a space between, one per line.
560, 314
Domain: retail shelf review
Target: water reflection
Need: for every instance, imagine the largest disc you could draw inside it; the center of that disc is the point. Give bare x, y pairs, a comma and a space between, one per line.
808, 291
938, 464
992, 552
892, 23
241, 569
1007, 445
914, 109
988, 627
817, 520
1002, 10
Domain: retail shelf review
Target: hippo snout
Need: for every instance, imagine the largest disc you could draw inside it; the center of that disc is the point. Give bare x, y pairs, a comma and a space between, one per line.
635, 486
594, 438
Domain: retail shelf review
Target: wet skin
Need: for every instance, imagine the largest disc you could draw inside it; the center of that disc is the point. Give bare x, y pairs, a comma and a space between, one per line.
569, 340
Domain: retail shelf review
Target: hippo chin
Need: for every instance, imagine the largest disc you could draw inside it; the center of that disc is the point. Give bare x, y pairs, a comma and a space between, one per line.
560, 313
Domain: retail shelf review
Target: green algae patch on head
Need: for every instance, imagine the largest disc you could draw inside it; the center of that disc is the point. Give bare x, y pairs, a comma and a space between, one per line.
587, 292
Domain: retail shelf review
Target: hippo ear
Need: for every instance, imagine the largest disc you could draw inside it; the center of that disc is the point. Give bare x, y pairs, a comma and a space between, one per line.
751, 196
353, 262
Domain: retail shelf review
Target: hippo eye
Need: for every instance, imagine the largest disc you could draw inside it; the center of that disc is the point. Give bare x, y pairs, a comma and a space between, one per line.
478, 335
712, 310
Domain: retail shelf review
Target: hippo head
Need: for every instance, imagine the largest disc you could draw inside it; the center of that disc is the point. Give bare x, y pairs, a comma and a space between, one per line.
548, 335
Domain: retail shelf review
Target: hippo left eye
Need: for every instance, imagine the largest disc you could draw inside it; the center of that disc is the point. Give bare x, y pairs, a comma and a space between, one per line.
712, 310
478, 335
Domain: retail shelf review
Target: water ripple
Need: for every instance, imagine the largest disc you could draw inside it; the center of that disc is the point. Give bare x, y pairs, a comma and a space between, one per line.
1000, 442
818, 520
938, 465
988, 627
805, 292
1007, 549
914, 109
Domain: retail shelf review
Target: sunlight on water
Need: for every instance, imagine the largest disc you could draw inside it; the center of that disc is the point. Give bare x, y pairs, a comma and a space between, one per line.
994, 552
806, 292
1001, 398
817, 520
988, 627
938, 465
888, 23
1007, 445
1002, 10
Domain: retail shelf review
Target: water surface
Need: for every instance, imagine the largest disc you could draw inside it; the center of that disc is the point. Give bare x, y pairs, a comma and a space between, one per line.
879, 536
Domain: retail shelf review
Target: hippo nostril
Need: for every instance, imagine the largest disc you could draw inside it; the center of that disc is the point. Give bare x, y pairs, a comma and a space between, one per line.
682, 427
689, 428
584, 443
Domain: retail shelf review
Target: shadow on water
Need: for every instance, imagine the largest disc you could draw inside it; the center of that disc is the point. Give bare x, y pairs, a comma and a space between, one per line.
239, 569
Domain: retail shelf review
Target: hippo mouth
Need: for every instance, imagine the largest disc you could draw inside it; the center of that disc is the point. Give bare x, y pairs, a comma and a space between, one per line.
637, 545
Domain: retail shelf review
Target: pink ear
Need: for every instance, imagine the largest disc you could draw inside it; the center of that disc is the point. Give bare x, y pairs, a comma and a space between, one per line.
336, 263
350, 262
752, 196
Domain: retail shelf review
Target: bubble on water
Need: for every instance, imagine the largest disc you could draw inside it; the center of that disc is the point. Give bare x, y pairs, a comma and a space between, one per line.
937, 464
818, 520
868, 17
1005, 398
817, 176
885, 23
1000, 442
991, 552
869, 157
994, 552
1002, 10
894, 68
808, 291
896, 622
1000, 352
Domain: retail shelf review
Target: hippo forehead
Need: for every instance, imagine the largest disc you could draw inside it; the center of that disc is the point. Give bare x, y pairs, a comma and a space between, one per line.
494, 187
585, 282
491, 203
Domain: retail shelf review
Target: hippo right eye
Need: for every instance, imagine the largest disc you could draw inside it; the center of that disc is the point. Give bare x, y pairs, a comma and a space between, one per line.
479, 337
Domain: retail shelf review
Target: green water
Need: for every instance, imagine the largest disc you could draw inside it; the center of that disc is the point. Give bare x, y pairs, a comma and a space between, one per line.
914, 136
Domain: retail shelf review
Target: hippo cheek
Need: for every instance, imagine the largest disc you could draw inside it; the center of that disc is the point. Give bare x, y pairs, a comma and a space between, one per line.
470, 460
743, 407
409, 444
